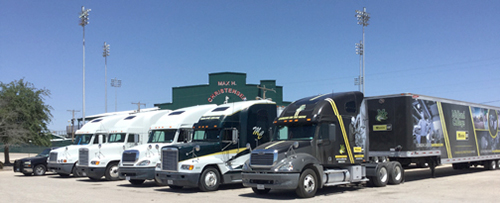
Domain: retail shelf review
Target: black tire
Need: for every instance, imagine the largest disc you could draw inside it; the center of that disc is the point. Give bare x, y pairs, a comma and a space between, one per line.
396, 173
136, 182
111, 172
490, 165
308, 184
261, 192
75, 172
209, 179
381, 178
39, 170
175, 187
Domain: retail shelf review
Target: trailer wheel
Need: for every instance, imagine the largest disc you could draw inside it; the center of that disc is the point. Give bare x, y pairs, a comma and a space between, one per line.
136, 182
308, 184
39, 170
112, 172
490, 165
209, 179
381, 177
261, 192
498, 164
396, 173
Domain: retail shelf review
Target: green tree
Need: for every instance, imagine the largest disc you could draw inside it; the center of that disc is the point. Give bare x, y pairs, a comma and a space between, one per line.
23, 115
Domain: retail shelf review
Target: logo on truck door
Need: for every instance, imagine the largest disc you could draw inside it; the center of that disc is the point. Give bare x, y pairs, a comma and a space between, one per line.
381, 115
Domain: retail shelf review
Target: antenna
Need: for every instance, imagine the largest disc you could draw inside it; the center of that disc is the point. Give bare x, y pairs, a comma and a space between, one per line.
139, 106
264, 89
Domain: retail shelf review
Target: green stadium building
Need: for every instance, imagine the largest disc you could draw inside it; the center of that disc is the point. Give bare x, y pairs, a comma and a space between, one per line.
224, 87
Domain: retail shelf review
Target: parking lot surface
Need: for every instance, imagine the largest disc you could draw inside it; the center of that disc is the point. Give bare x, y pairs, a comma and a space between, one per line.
472, 185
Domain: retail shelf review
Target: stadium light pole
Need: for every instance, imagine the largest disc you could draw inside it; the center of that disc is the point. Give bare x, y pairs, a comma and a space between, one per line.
359, 51
105, 54
363, 18
116, 83
84, 20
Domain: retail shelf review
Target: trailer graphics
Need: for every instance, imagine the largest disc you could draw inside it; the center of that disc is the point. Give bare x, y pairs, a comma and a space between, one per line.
218, 148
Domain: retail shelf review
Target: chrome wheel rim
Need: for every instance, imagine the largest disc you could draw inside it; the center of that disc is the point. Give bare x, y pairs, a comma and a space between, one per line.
211, 179
309, 183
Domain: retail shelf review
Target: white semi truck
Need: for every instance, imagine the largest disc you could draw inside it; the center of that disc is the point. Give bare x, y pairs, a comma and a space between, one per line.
217, 151
102, 159
63, 160
138, 163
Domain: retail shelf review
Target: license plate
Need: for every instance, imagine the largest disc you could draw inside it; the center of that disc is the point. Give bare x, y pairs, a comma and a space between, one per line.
170, 182
260, 187
127, 177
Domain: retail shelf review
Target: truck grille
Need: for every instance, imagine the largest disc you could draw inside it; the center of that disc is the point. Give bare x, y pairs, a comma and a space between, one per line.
130, 156
53, 157
83, 157
263, 158
169, 159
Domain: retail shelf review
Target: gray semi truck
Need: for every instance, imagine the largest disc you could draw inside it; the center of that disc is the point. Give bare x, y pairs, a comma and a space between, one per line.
346, 139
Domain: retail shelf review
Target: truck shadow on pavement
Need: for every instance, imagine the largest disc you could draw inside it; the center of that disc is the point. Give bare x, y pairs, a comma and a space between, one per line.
189, 190
291, 195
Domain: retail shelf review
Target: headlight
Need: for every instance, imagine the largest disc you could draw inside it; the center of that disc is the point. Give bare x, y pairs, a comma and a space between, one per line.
187, 167
286, 167
95, 162
27, 163
144, 163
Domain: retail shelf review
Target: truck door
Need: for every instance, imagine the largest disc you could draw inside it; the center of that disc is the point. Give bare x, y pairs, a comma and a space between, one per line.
325, 140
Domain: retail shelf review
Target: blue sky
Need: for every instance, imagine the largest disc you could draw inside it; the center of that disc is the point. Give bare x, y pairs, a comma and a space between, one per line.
447, 48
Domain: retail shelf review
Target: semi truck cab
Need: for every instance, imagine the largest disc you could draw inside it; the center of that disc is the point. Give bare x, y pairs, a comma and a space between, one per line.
218, 148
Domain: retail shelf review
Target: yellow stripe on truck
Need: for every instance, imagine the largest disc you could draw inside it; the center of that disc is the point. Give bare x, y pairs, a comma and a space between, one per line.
342, 127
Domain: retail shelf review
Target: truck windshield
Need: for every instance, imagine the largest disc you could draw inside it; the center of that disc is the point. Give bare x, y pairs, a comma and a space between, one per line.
162, 136
299, 132
116, 137
206, 135
82, 139
44, 153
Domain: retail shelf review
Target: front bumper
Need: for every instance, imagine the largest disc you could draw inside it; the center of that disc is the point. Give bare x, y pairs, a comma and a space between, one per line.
137, 173
92, 172
271, 180
178, 179
61, 168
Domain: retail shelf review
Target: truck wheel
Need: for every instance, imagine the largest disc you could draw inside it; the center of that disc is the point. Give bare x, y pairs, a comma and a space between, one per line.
261, 192
136, 182
39, 170
112, 172
396, 173
308, 184
75, 172
381, 178
490, 165
209, 179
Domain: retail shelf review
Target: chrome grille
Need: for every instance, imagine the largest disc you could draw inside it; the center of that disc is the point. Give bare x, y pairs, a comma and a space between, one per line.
169, 159
83, 157
53, 157
130, 156
263, 158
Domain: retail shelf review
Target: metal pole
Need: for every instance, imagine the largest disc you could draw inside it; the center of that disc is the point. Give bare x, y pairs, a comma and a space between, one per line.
105, 54
363, 18
84, 16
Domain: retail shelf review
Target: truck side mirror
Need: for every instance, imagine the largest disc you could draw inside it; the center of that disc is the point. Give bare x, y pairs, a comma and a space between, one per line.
235, 136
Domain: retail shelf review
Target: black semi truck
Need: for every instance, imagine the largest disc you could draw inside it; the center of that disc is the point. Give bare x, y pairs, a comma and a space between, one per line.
345, 138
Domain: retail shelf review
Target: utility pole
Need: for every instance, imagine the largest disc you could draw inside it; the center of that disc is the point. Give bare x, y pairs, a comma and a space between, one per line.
139, 106
84, 20
359, 50
73, 124
363, 18
105, 54
116, 83
264, 89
